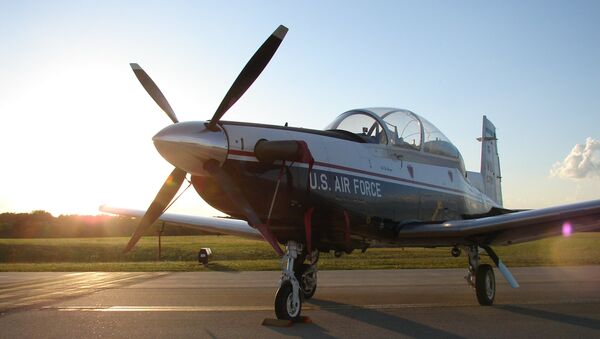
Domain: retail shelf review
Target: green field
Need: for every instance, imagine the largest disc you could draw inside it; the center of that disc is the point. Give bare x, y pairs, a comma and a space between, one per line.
179, 253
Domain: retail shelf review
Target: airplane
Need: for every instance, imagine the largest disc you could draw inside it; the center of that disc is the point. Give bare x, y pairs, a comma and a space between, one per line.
381, 175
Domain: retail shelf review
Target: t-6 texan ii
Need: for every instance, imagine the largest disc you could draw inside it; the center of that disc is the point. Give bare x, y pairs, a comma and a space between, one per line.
378, 174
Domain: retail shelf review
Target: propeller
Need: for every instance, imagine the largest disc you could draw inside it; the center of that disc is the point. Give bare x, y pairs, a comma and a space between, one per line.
175, 179
158, 206
154, 91
249, 74
245, 79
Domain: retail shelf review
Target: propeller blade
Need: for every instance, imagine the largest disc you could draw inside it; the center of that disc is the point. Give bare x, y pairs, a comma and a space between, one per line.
154, 91
236, 197
158, 206
249, 74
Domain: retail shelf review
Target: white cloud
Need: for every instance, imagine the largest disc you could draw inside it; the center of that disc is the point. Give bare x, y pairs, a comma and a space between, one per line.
582, 162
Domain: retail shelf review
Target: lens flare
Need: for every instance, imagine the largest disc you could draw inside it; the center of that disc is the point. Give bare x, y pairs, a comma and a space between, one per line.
567, 229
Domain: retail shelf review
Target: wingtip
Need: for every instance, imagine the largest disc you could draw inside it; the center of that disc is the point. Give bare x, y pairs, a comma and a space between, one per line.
134, 66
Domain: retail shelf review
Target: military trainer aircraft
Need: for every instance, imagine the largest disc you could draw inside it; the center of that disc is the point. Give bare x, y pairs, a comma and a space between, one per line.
381, 175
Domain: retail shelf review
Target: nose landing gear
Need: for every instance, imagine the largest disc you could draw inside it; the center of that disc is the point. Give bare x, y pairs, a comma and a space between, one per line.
288, 300
298, 282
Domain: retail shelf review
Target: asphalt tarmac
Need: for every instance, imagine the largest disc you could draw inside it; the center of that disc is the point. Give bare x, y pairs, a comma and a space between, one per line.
551, 303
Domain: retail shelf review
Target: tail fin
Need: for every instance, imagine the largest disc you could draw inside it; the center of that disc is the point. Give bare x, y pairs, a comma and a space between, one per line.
490, 162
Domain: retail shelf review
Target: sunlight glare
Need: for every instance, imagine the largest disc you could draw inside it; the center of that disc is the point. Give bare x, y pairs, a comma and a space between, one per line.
567, 229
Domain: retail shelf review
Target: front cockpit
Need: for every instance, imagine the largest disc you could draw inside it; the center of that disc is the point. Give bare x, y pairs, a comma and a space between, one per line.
396, 128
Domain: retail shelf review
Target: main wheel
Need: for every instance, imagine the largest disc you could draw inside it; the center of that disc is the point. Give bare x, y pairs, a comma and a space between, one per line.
485, 285
285, 308
307, 280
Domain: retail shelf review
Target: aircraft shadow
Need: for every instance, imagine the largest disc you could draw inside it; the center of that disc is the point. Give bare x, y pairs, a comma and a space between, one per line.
220, 268
304, 331
383, 320
553, 316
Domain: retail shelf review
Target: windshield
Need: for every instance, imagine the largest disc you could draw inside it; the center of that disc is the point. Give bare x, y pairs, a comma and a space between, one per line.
362, 125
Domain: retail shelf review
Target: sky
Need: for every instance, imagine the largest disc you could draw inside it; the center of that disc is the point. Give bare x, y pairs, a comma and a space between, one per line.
76, 125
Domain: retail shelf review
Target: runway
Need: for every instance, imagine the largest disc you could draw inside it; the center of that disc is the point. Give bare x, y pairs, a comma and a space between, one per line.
551, 302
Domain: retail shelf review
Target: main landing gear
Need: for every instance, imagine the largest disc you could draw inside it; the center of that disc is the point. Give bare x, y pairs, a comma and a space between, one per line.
307, 276
481, 276
298, 282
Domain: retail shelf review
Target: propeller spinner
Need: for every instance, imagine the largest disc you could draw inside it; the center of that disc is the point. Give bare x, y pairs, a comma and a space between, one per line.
178, 141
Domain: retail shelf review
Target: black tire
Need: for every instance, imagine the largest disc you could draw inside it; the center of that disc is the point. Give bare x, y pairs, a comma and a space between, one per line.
307, 293
283, 303
485, 285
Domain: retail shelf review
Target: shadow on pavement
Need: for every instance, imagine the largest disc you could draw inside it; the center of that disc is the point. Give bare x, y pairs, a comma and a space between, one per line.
220, 268
553, 316
375, 318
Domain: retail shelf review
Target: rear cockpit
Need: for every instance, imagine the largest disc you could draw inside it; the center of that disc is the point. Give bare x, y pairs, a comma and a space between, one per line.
396, 128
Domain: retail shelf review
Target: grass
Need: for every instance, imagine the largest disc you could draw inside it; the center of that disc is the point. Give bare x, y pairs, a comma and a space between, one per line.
236, 254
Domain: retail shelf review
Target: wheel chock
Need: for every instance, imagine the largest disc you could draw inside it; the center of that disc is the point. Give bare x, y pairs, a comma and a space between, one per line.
277, 322
305, 320
285, 323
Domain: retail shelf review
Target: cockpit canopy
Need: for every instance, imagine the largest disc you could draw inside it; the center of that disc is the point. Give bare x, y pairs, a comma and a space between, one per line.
395, 127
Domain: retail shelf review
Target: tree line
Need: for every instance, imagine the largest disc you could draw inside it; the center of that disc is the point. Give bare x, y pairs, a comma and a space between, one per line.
41, 224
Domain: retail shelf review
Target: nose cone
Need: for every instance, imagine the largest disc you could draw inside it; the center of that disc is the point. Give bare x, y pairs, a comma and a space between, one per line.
188, 145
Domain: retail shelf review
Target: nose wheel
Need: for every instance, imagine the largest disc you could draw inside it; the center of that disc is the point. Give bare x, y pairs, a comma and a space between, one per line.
288, 300
286, 305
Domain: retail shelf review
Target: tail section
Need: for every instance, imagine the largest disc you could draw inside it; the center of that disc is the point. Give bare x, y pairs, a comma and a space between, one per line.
490, 162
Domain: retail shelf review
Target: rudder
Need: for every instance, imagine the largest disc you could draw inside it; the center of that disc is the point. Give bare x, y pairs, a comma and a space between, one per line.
490, 162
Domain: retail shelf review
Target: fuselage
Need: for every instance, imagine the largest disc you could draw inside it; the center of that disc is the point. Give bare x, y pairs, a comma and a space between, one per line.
357, 190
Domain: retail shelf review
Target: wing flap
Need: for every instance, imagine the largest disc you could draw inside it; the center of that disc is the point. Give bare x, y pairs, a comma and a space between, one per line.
216, 225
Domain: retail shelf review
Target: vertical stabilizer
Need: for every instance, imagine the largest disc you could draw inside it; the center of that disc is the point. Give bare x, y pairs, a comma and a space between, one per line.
490, 162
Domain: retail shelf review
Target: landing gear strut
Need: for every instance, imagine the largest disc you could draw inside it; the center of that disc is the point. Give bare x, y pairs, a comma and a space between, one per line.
288, 300
306, 274
298, 281
481, 277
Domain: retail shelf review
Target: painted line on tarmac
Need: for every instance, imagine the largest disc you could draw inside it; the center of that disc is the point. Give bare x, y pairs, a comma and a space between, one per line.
67, 286
306, 307
232, 308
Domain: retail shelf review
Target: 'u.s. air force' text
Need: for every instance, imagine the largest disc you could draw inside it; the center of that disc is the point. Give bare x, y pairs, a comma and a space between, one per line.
343, 184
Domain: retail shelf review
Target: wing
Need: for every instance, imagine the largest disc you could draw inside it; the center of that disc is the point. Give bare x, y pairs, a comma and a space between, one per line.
505, 229
217, 225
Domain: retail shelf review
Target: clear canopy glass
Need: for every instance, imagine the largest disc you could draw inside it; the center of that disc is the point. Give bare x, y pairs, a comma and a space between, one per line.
397, 127
364, 125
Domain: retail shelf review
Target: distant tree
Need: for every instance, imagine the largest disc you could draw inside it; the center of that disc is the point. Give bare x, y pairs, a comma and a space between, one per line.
41, 224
